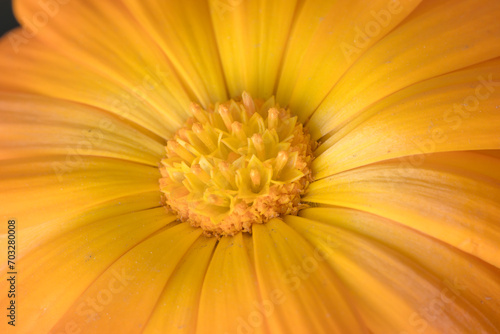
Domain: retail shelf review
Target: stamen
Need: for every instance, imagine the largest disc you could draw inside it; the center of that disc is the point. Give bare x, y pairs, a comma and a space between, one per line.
226, 116
204, 136
255, 177
279, 163
227, 172
272, 119
248, 103
237, 130
180, 151
200, 173
258, 143
217, 200
198, 113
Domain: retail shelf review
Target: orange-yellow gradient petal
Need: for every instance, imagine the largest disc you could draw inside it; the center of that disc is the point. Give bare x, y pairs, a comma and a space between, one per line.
452, 197
295, 279
181, 296
403, 281
230, 287
114, 65
326, 38
58, 274
142, 271
439, 37
251, 38
401, 234
458, 111
59, 152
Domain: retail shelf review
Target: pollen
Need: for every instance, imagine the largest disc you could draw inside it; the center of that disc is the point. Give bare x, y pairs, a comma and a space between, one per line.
235, 164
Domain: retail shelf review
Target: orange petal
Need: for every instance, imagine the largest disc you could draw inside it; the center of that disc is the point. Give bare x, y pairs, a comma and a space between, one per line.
105, 60
452, 197
251, 37
326, 38
230, 292
63, 272
401, 280
123, 296
429, 43
184, 32
177, 307
302, 294
454, 112
34, 126
44, 199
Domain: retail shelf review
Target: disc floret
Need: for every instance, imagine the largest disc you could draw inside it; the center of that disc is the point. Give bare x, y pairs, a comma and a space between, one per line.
235, 164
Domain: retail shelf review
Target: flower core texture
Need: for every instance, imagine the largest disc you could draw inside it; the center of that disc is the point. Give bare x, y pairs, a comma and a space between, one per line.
237, 163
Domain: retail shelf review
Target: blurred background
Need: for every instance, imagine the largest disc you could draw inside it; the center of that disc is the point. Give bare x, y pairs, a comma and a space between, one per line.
7, 20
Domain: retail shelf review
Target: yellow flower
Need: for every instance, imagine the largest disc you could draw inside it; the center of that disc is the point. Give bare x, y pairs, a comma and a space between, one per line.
401, 231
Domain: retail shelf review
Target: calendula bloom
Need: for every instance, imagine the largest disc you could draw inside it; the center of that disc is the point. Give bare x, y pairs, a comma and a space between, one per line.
234, 166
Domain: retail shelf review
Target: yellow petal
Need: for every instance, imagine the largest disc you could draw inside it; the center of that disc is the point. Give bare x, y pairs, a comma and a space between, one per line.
403, 281
177, 307
251, 37
190, 46
454, 112
230, 291
105, 60
443, 195
33, 126
429, 43
302, 293
58, 274
57, 152
143, 271
42, 197
326, 38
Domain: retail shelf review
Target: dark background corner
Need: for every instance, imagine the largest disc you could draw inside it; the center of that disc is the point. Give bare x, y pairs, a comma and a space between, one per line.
7, 20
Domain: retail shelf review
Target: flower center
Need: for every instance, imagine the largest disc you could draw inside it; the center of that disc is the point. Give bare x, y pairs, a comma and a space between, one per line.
238, 163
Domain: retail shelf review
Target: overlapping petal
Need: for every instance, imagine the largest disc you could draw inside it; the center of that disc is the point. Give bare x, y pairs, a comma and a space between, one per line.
142, 271
58, 274
437, 38
326, 39
57, 152
452, 197
231, 287
95, 53
180, 297
458, 111
402, 280
33, 126
404, 96
251, 38
295, 279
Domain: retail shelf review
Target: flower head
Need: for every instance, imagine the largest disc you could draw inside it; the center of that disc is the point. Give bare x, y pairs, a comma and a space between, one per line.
237, 164
233, 166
